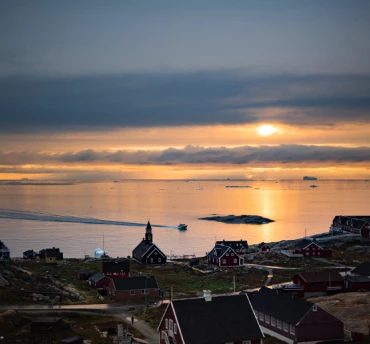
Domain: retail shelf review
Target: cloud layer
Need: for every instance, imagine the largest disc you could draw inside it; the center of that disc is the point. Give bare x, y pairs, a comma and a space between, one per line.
157, 100
192, 155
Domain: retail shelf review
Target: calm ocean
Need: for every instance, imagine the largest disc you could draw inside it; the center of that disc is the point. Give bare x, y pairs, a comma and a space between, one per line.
60, 213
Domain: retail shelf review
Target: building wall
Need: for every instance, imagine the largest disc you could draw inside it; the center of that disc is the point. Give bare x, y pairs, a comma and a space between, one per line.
365, 231
121, 295
50, 260
313, 251
169, 315
104, 282
319, 325
356, 286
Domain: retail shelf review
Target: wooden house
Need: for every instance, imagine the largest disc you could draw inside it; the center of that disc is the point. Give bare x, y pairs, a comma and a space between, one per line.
294, 320
98, 281
310, 248
116, 269
319, 283
53, 256
224, 256
352, 224
42, 254
120, 289
83, 275
262, 247
211, 320
147, 252
29, 254
362, 270
4, 251
239, 246
357, 283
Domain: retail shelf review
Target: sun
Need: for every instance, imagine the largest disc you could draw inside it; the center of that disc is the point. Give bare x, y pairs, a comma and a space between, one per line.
266, 130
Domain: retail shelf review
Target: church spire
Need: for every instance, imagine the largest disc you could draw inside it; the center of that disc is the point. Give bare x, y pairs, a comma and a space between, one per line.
148, 233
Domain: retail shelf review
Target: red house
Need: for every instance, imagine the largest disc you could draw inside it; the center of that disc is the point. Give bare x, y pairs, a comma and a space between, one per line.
319, 283
262, 247
116, 269
224, 256
310, 249
294, 320
353, 224
99, 281
211, 320
357, 283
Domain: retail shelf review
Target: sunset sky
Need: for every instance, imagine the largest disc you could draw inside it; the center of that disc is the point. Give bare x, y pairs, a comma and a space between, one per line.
260, 89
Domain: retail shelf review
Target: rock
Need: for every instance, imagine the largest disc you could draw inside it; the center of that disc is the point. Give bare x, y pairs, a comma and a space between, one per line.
3, 281
9, 320
241, 219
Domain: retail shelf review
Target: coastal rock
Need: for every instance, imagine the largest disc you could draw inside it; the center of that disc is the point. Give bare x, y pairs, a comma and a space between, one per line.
309, 178
3, 281
241, 219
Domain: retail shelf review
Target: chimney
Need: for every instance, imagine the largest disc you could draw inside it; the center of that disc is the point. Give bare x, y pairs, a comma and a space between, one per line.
207, 295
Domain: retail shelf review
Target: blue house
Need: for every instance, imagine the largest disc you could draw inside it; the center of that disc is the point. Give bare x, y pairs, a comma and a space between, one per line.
4, 251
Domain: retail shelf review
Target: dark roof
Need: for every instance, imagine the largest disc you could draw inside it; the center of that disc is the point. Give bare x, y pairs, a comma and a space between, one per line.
223, 319
305, 242
280, 305
141, 282
363, 269
235, 245
357, 223
28, 252
116, 266
219, 249
358, 279
2, 245
97, 277
143, 247
262, 244
321, 276
52, 252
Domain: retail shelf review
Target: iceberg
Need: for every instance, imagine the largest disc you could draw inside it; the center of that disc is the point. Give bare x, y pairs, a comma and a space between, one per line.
98, 252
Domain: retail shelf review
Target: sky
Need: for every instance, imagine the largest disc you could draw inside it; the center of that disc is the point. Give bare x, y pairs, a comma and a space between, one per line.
253, 89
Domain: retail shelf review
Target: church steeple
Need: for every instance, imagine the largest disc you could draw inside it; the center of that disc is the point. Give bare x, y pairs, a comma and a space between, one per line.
148, 233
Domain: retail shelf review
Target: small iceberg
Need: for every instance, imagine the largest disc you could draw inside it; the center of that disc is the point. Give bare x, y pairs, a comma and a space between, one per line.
98, 252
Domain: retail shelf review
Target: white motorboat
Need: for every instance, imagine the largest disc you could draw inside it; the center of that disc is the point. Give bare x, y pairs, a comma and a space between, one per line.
182, 226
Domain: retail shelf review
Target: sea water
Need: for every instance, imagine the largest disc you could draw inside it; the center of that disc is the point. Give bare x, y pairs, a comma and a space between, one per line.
81, 217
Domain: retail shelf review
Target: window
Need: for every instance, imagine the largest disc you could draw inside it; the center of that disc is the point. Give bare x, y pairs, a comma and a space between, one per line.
235, 260
285, 327
171, 325
273, 321
227, 254
267, 319
132, 292
278, 323
232, 254
175, 328
151, 260
166, 323
314, 308
292, 329
144, 291
223, 261
159, 260
262, 316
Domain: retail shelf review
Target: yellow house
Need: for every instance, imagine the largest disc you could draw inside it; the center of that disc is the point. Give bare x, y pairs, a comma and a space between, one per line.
53, 256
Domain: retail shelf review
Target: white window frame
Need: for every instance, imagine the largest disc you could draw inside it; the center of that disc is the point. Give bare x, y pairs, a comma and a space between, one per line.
151, 260
132, 292
314, 308
144, 291
227, 254
175, 328
232, 254
159, 260
285, 327
273, 321
235, 260
223, 261
262, 316
166, 323
279, 324
267, 319
292, 329
171, 325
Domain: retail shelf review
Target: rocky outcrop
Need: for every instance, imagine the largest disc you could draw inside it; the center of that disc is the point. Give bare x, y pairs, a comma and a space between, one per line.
241, 219
9, 321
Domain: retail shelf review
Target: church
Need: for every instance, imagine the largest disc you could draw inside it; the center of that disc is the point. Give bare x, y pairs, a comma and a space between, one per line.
147, 252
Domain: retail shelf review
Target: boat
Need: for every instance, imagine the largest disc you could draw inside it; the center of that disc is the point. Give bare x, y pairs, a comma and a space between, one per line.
182, 226
313, 186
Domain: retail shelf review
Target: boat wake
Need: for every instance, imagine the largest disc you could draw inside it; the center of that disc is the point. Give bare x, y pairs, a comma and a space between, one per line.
48, 217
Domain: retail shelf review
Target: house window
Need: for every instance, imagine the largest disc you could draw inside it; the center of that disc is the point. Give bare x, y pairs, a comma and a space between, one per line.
292, 329
223, 261
267, 319
171, 325
164, 335
227, 254
273, 321
285, 327
262, 316
314, 308
232, 254
159, 260
144, 291
166, 323
151, 260
278, 323
132, 292
175, 328
235, 260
